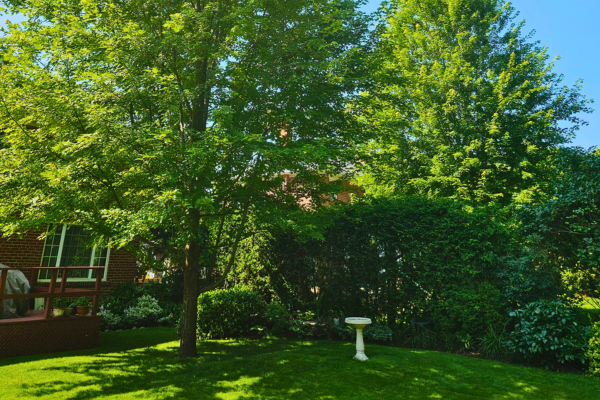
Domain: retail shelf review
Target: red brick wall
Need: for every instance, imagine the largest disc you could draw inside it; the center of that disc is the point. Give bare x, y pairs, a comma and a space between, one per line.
27, 252
344, 197
22, 252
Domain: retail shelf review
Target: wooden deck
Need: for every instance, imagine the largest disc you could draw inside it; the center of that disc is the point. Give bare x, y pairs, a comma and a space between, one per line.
37, 335
39, 332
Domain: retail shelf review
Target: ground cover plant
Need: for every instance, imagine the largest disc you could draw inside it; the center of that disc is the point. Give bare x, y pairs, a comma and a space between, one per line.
144, 364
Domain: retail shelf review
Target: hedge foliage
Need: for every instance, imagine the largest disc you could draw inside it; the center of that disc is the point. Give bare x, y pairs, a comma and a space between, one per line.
228, 313
392, 260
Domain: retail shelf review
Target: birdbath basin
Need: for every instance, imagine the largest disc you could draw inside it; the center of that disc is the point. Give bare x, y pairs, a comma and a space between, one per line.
359, 324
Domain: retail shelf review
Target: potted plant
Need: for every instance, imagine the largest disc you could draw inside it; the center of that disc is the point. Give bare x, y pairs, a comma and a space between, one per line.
58, 311
63, 303
83, 306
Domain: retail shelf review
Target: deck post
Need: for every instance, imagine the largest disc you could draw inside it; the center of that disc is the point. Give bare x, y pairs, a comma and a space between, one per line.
63, 280
48, 309
3, 276
99, 274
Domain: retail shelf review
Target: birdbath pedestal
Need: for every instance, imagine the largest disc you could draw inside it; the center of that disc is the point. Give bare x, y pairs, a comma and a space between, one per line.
359, 324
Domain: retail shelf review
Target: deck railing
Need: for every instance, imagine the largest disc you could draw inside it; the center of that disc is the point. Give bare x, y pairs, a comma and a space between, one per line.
50, 292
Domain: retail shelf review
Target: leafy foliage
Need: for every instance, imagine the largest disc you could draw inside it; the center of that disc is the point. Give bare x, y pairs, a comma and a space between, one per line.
122, 297
146, 310
61, 302
546, 332
151, 304
378, 333
82, 301
493, 343
567, 226
464, 104
466, 314
593, 352
228, 313
376, 258
278, 317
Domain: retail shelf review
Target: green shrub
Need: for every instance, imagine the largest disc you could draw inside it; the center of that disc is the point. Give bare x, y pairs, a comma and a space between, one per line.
341, 330
145, 312
109, 320
278, 317
303, 324
419, 336
228, 313
546, 332
172, 317
121, 298
593, 352
464, 314
378, 333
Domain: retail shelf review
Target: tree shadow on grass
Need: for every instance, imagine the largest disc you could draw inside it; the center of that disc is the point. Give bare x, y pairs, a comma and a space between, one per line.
280, 369
109, 342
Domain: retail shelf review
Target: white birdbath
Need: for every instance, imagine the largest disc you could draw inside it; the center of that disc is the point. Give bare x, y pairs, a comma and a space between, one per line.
359, 324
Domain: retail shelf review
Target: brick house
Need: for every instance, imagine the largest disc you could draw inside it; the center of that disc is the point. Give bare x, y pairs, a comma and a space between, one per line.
67, 248
342, 196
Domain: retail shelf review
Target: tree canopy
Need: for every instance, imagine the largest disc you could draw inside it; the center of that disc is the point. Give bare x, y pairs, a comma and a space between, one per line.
466, 104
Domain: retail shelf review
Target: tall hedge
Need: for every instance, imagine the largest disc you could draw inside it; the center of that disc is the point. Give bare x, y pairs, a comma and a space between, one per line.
393, 260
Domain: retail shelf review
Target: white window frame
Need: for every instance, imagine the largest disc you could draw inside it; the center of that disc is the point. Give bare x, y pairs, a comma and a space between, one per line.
59, 256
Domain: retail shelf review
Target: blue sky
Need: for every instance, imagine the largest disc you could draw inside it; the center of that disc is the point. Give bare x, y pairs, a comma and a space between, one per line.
571, 29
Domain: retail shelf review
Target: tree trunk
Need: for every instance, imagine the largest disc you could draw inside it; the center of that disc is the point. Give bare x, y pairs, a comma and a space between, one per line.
187, 347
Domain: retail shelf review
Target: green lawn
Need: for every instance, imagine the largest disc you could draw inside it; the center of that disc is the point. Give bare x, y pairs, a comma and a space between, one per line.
143, 364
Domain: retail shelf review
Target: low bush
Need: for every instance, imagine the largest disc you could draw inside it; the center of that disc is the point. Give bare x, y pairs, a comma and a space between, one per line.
378, 333
593, 351
110, 320
149, 305
121, 298
302, 324
546, 332
419, 336
228, 313
278, 318
145, 312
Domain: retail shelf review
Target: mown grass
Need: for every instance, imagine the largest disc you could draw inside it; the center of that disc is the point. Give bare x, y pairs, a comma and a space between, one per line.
144, 364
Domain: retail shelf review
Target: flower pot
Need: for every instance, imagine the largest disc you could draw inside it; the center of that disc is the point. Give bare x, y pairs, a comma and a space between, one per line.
83, 310
58, 311
67, 312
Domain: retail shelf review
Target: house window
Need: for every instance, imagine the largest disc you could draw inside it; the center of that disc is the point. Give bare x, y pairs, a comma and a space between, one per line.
69, 247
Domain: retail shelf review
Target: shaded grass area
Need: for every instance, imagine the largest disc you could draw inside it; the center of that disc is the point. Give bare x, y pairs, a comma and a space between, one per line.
144, 364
